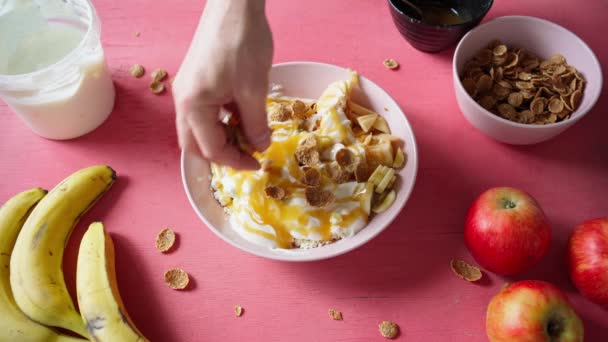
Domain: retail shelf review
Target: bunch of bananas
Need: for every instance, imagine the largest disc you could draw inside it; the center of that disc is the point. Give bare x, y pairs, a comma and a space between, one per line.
34, 229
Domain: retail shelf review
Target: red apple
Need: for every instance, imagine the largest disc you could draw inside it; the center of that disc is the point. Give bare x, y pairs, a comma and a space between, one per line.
506, 231
532, 311
588, 259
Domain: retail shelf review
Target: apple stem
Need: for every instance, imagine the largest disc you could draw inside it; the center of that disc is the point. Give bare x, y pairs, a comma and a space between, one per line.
554, 328
508, 204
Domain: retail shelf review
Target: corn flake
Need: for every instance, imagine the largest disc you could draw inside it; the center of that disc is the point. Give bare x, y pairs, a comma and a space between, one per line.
389, 329
275, 192
137, 71
312, 177
465, 271
518, 86
165, 240
238, 310
391, 63
318, 197
177, 279
335, 314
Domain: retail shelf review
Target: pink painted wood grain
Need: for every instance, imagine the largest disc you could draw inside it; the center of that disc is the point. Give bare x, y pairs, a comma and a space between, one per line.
403, 275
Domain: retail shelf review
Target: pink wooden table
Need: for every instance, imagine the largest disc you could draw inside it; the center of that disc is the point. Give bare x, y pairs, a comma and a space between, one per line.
403, 275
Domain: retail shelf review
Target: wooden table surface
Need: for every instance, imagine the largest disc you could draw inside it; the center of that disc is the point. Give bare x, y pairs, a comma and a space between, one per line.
403, 275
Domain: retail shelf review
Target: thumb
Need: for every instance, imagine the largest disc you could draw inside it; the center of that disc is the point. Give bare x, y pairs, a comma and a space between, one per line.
251, 104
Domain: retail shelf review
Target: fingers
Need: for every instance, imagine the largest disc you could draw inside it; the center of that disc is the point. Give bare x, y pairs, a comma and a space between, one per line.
210, 137
251, 102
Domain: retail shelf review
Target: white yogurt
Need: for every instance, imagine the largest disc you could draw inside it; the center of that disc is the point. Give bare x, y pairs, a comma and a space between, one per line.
52, 67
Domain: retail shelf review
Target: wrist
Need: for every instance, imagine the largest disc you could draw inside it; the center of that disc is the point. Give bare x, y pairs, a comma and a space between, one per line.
253, 7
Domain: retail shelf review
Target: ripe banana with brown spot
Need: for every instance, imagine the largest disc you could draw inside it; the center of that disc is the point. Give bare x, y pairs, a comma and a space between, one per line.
36, 264
14, 325
99, 300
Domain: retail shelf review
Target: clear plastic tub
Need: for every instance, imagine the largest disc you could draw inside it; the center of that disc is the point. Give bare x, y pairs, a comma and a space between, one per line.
53, 72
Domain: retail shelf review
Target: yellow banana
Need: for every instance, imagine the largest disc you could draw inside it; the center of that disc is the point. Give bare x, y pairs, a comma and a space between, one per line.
14, 325
36, 264
98, 298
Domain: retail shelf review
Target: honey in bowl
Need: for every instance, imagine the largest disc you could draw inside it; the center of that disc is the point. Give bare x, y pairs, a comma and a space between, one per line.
440, 15
434, 12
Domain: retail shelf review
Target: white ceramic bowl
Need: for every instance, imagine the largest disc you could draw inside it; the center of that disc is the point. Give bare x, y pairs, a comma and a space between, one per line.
308, 80
543, 38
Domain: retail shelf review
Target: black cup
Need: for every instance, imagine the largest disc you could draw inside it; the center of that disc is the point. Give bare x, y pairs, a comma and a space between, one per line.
434, 38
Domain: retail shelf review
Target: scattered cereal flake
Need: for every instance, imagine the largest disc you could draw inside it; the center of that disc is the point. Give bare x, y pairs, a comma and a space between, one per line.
156, 87
307, 155
339, 175
158, 75
362, 172
465, 271
335, 314
299, 109
312, 177
280, 113
165, 240
389, 329
317, 197
391, 63
238, 310
137, 34
275, 192
177, 279
344, 157
137, 70
309, 141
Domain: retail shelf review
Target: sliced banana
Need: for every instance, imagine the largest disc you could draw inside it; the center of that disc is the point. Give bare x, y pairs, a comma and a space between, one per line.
366, 198
376, 177
386, 203
383, 184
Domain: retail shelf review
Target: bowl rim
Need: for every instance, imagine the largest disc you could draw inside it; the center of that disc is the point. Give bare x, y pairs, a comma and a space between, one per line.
394, 8
571, 120
312, 256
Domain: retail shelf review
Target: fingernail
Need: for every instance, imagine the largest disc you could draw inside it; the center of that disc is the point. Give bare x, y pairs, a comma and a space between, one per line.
262, 142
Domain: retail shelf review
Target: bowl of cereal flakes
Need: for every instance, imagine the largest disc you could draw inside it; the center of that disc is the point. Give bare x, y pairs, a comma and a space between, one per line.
523, 80
340, 167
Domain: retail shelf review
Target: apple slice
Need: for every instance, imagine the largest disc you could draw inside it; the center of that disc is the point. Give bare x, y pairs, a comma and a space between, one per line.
380, 153
399, 159
367, 121
381, 125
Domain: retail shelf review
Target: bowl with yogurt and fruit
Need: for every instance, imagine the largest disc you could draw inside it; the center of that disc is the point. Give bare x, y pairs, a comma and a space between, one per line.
341, 165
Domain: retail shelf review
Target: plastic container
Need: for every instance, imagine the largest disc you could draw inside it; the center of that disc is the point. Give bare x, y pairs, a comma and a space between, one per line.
53, 72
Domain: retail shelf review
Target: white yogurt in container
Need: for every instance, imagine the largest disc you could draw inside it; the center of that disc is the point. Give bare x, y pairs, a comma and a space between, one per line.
53, 72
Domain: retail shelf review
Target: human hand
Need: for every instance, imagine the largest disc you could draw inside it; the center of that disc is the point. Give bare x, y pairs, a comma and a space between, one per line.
226, 66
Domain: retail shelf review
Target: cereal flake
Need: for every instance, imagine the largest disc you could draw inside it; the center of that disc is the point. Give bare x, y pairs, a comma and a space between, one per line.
165, 240
389, 329
177, 279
